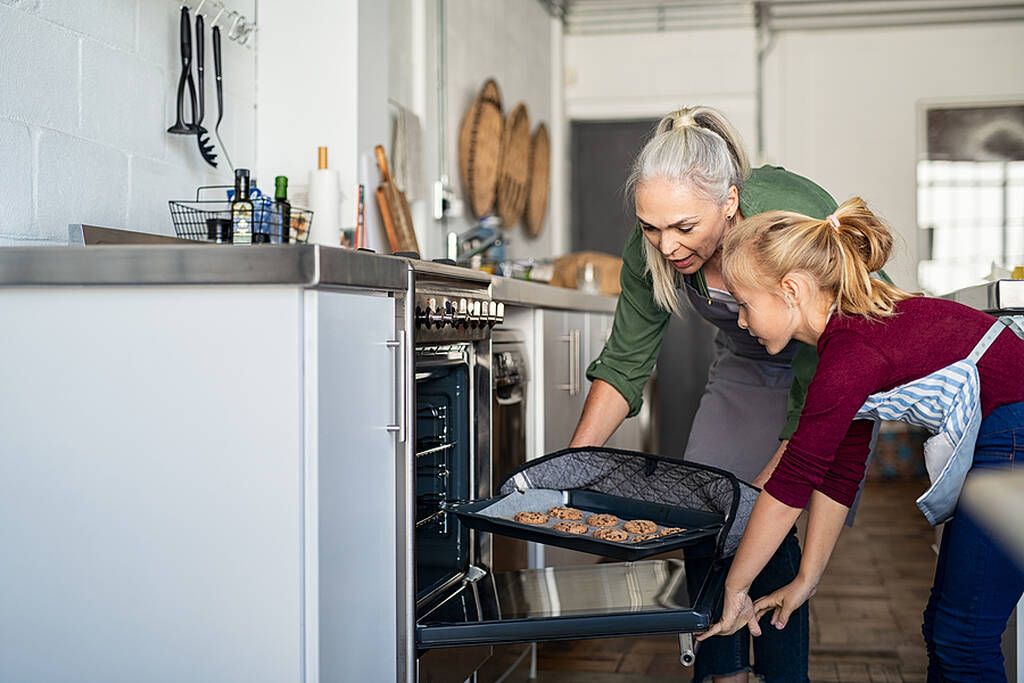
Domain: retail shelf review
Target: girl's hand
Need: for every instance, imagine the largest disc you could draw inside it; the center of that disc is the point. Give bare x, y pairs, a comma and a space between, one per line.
737, 612
785, 601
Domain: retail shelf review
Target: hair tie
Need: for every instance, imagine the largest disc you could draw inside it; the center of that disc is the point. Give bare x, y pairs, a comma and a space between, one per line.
833, 221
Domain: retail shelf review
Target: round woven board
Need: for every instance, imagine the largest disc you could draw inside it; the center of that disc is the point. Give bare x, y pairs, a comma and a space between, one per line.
480, 149
537, 183
514, 168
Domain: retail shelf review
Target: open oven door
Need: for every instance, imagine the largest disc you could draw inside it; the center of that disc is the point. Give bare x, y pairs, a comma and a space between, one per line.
571, 602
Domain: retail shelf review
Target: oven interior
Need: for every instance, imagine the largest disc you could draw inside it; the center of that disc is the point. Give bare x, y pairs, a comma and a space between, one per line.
443, 469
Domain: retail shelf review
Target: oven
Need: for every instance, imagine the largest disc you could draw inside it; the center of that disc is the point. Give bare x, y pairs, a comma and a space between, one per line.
470, 595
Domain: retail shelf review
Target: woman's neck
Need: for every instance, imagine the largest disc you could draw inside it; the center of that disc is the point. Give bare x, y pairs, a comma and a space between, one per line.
713, 266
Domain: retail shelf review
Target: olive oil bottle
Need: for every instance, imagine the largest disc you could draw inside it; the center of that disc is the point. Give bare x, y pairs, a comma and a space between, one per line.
242, 208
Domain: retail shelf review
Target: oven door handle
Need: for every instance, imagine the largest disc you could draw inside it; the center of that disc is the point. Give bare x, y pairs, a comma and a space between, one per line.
399, 426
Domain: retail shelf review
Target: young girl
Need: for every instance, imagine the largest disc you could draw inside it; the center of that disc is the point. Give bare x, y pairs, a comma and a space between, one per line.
883, 354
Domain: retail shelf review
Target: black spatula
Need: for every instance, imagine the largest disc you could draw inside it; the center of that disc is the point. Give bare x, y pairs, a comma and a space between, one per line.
202, 135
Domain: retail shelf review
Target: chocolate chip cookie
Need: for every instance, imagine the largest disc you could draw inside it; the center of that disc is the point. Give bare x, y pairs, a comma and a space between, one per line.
566, 513
640, 526
531, 518
617, 535
640, 538
602, 520
575, 528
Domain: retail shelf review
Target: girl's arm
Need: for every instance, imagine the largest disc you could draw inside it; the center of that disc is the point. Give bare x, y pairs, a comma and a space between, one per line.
825, 521
769, 523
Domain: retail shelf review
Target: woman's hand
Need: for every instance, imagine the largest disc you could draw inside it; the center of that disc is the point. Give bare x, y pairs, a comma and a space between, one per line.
785, 601
737, 612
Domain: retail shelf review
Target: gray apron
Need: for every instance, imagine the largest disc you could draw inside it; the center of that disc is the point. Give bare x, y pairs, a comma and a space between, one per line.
743, 409
745, 401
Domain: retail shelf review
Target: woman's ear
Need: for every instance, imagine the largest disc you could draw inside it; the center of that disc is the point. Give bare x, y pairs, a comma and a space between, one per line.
732, 203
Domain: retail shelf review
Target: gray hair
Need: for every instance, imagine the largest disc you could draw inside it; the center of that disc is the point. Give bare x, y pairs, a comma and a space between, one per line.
694, 145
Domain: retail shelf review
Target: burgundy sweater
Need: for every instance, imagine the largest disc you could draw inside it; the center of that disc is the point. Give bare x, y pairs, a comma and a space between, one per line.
859, 357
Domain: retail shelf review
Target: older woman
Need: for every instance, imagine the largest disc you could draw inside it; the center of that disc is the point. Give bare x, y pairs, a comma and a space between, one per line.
690, 183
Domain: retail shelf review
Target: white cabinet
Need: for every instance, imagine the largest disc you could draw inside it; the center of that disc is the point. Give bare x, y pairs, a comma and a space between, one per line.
183, 473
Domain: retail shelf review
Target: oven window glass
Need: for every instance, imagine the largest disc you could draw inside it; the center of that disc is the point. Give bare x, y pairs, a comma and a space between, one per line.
442, 473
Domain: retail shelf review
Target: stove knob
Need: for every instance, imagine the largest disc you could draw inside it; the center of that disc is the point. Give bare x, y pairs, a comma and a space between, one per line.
492, 313
422, 316
474, 314
448, 313
434, 316
459, 313
501, 312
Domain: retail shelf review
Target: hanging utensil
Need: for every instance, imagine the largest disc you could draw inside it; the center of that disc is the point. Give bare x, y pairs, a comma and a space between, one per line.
202, 135
219, 75
180, 127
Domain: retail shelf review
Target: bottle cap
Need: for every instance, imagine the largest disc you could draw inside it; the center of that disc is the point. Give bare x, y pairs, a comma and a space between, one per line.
281, 186
321, 157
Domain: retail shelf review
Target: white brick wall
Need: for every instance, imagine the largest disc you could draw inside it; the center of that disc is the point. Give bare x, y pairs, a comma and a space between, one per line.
87, 91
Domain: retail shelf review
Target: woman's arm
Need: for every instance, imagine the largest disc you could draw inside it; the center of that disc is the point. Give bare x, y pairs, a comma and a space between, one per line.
603, 412
766, 473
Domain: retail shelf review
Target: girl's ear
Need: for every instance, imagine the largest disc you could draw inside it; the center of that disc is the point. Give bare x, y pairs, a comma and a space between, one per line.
797, 288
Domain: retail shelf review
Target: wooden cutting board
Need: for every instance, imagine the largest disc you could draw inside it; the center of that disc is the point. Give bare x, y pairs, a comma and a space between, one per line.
394, 209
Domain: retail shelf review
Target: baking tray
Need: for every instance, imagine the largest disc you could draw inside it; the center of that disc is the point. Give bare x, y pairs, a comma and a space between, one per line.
494, 515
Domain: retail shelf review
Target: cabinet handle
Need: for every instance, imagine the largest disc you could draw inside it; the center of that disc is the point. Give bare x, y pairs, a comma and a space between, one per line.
573, 339
398, 346
577, 357
568, 338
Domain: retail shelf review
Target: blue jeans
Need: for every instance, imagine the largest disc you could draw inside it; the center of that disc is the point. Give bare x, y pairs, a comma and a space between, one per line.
976, 584
779, 656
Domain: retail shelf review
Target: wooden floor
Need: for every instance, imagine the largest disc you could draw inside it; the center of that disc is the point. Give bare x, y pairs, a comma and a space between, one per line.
865, 619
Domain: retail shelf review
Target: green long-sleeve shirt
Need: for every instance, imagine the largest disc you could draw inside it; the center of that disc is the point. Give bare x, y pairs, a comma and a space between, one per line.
630, 353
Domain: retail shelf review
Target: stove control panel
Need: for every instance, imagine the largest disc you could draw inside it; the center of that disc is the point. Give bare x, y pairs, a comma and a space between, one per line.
458, 313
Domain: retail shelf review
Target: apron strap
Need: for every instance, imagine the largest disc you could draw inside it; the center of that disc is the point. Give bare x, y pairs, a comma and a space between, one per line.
1015, 323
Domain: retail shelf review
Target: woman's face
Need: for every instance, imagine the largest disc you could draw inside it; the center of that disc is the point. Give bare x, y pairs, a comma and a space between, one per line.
681, 223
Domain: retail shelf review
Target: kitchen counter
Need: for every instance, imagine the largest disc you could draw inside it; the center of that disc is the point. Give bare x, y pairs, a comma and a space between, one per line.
538, 295
1001, 295
200, 264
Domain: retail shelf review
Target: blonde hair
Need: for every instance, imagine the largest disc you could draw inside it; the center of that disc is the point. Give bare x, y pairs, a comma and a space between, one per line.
839, 252
695, 145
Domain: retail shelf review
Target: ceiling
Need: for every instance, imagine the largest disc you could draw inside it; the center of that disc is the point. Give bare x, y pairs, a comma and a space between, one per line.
584, 17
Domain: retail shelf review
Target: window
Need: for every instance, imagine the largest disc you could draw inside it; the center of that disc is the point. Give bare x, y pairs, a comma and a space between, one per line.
970, 195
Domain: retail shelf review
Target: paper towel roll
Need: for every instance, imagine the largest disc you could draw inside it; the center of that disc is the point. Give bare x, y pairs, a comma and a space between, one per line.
325, 202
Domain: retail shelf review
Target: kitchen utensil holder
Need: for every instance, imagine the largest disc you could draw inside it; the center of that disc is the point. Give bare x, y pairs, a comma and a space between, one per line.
238, 27
190, 216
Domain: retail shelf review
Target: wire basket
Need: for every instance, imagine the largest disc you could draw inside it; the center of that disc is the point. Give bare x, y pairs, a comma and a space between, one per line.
190, 217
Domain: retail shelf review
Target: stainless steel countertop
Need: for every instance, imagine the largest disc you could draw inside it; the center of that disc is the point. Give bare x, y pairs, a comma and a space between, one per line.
1001, 295
538, 295
120, 257
201, 264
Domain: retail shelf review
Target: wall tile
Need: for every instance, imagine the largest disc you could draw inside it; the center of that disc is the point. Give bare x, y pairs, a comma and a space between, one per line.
110, 21
16, 170
38, 71
122, 100
79, 182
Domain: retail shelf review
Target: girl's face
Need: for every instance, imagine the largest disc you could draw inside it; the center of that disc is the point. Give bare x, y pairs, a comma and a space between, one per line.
767, 316
684, 226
